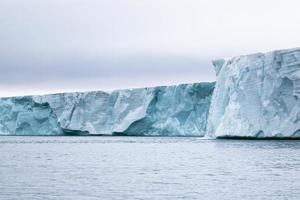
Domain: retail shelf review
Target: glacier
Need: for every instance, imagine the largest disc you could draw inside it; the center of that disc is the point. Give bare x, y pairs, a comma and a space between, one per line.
180, 110
257, 96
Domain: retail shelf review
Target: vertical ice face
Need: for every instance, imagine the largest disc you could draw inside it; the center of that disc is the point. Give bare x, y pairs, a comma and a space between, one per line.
85, 112
127, 108
23, 116
257, 96
172, 111
161, 111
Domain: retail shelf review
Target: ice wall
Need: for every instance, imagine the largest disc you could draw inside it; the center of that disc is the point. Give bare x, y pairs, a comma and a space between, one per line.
23, 116
257, 96
170, 111
159, 111
79, 113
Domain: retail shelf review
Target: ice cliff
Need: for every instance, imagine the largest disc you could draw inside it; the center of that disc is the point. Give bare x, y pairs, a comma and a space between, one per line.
79, 113
23, 116
257, 96
159, 111
169, 111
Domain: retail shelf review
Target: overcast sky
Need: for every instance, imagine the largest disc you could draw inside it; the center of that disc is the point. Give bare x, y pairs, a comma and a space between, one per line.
77, 45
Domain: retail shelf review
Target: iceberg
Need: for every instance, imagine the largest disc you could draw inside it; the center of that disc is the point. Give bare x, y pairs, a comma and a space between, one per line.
180, 110
257, 96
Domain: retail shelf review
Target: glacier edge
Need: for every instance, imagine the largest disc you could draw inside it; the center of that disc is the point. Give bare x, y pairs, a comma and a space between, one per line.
158, 111
257, 96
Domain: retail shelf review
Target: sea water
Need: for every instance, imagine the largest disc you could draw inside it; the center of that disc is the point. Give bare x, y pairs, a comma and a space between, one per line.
147, 168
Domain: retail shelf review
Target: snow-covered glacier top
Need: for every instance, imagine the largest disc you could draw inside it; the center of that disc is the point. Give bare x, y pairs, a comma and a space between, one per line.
257, 96
180, 110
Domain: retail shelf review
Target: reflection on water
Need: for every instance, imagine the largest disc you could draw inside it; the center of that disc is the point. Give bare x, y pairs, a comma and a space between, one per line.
147, 168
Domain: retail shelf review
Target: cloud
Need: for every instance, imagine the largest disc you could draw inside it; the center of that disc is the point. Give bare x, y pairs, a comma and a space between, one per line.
62, 45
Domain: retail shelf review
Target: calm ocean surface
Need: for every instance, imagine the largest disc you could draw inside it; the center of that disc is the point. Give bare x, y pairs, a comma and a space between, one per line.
147, 168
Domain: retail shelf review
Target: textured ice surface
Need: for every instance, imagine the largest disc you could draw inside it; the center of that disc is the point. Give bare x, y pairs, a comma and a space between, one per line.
79, 112
257, 96
172, 110
23, 116
159, 111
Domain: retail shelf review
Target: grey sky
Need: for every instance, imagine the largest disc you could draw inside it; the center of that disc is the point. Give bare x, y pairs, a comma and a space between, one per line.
74, 45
